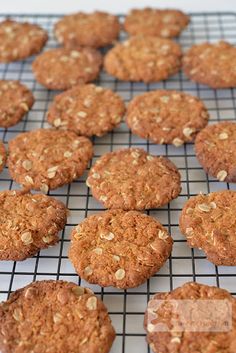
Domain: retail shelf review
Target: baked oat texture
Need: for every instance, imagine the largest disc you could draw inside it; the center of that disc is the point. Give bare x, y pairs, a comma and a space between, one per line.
87, 110
208, 222
166, 116
153, 22
147, 59
29, 223
211, 64
57, 317
215, 148
119, 248
97, 29
132, 179
173, 340
46, 159
3, 156
62, 68
18, 40
15, 101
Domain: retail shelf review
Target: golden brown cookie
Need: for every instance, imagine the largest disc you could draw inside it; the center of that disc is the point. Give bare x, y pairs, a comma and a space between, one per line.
192, 318
29, 223
15, 101
96, 29
211, 64
215, 148
56, 317
87, 110
119, 248
154, 22
209, 223
62, 68
20, 40
132, 179
46, 159
3, 156
147, 59
166, 116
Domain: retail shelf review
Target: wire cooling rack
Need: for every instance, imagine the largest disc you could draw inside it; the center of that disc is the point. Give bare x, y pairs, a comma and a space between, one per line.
126, 308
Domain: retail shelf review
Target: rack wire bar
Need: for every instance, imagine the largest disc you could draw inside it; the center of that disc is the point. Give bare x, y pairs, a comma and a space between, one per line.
127, 307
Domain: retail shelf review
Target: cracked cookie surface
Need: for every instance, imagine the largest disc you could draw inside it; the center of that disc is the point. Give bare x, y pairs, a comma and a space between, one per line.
211, 64
55, 316
153, 22
97, 29
132, 179
20, 40
119, 248
215, 148
87, 110
29, 223
62, 68
15, 101
208, 222
171, 311
166, 116
147, 59
46, 159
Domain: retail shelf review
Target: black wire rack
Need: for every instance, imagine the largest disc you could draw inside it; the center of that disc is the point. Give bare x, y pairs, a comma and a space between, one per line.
126, 308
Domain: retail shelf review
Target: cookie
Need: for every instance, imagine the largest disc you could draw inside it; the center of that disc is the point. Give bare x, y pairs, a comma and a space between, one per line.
62, 68
46, 159
18, 40
29, 223
166, 116
215, 148
211, 64
118, 248
208, 222
55, 316
147, 59
97, 29
153, 22
15, 101
87, 110
191, 319
3, 156
132, 179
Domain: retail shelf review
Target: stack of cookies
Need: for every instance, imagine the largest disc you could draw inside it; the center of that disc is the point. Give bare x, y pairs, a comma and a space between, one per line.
121, 246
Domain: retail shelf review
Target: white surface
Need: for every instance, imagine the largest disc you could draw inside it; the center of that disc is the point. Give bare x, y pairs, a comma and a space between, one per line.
120, 6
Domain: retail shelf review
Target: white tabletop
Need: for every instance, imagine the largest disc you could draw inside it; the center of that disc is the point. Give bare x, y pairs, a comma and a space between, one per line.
120, 6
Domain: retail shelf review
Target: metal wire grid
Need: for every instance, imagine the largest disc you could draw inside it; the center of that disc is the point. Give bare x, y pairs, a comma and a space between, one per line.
126, 308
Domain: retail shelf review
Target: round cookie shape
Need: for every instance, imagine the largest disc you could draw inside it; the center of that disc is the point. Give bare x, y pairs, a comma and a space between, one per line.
211, 64
166, 116
87, 110
208, 222
97, 29
15, 101
153, 22
62, 68
168, 314
20, 40
132, 179
55, 316
147, 59
3, 156
215, 148
46, 159
119, 248
29, 223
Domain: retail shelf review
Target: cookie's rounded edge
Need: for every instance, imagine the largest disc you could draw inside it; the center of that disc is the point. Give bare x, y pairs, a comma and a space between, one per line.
122, 278
67, 291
